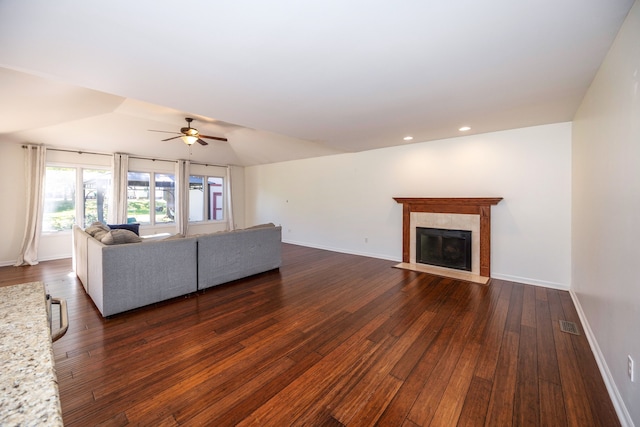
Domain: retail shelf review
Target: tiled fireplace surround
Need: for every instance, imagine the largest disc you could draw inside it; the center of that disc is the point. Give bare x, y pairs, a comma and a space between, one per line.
472, 214
447, 222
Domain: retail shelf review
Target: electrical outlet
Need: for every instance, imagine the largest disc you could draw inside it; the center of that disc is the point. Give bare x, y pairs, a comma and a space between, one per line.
630, 368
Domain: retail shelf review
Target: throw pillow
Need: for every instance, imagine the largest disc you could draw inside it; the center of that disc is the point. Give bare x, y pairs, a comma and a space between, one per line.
135, 227
98, 235
95, 228
120, 236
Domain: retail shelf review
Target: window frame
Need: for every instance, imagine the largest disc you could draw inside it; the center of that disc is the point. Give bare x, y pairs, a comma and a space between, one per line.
152, 224
79, 200
206, 203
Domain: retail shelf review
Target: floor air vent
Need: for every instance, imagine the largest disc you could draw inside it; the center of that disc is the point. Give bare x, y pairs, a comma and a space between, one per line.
569, 327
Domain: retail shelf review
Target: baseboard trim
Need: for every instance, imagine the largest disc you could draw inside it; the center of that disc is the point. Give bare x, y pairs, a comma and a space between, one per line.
342, 250
616, 398
50, 258
528, 281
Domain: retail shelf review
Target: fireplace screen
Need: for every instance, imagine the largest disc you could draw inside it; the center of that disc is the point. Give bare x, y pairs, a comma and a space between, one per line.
444, 248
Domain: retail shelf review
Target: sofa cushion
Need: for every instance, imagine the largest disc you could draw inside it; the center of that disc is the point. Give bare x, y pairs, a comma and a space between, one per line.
155, 237
120, 236
135, 227
174, 236
267, 225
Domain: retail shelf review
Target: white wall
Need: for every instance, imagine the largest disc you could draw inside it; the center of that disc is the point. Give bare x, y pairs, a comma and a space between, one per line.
58, 245
344, 202
606, 209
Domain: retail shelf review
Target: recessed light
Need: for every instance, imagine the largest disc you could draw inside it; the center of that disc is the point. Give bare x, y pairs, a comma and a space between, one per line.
408, 138
464, 128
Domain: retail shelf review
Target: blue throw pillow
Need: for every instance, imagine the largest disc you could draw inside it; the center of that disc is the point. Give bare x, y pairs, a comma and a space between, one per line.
131, 227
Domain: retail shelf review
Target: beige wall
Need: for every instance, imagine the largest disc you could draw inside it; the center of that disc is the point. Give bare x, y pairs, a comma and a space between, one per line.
13, 201
606, 210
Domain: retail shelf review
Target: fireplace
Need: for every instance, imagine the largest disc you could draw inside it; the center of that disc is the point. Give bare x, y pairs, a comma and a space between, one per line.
448, 211
444, 248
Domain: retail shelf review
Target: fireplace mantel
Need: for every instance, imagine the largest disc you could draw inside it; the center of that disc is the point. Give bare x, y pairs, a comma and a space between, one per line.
452, 205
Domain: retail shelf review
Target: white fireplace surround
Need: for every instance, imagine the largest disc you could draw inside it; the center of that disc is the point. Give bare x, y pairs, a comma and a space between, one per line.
447, 221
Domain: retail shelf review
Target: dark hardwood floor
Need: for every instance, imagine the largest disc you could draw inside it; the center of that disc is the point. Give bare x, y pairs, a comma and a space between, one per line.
328, 340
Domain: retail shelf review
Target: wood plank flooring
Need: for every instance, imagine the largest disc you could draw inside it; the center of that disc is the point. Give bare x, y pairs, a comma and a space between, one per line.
328, 340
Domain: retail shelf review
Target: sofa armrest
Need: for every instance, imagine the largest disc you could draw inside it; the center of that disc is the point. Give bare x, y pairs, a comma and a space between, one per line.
79, 255
94, 272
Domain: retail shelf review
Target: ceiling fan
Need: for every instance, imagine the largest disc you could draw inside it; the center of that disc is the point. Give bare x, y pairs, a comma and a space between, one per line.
190, 135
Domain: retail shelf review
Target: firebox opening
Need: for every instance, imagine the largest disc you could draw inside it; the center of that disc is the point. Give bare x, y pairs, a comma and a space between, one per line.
444, 248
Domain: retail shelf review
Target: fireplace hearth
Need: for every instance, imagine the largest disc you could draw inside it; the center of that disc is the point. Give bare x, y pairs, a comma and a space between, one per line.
444, 248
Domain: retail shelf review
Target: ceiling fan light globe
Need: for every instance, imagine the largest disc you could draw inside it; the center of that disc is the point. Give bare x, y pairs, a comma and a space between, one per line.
189, 140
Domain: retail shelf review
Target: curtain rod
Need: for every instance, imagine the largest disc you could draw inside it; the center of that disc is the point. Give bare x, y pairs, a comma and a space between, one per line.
176, 161
131, 157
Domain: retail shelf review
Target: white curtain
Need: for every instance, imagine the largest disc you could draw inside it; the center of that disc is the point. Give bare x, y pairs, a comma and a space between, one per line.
119, 183
182, 196
35, 168
230, 220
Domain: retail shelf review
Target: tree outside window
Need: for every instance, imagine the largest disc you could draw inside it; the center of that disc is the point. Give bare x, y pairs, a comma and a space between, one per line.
165, 198
64, 206
59, 199
96, 184
144, 209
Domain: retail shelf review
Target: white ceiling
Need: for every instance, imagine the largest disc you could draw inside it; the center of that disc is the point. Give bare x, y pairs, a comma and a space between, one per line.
298, 79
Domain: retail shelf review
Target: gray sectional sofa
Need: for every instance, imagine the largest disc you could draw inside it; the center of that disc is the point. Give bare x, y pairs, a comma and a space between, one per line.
127, 276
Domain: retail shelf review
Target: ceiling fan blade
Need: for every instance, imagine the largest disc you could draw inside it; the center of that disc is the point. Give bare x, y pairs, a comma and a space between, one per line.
163, 131
201, 142
169, 139
213, 137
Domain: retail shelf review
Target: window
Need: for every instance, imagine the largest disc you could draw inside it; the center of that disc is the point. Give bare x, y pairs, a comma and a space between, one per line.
165, 200
206, 201
214, 185
196, 198
64, 206
138, 200
59, 199
96, 184
82, 195
143, 208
